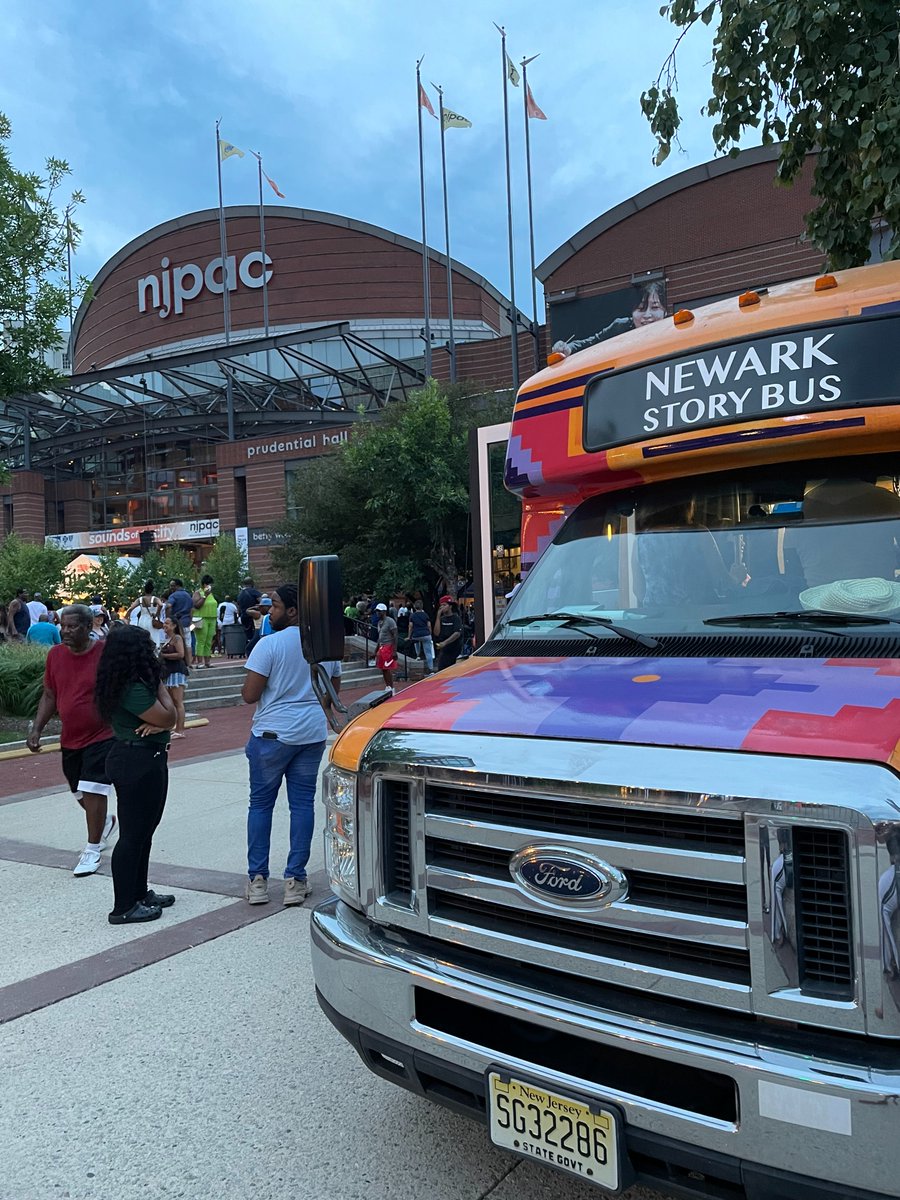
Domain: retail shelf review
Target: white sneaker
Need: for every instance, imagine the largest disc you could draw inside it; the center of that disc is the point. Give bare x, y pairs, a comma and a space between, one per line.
88, 863
110, 829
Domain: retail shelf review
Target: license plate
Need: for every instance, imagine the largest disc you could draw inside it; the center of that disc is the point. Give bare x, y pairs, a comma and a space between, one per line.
557, 1130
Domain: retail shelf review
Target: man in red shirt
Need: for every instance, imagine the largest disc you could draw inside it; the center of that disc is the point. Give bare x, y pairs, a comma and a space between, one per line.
69, 678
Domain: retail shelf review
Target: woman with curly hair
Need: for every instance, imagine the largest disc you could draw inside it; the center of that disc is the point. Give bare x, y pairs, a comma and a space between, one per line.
132, 698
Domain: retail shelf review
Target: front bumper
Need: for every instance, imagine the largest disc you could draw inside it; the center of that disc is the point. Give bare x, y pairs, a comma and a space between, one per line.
734, 1119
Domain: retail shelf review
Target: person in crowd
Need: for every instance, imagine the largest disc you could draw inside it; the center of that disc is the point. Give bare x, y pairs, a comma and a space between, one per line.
175, 653
374, 613
386, 654
148, 612
70, 674
131, 696
420, 633
179, 604
265, 608
36, 607
228, 612
205, 607
447, 633
286, 744
43, 632
467, 639
248, 597
403, 614
101, 619
350, 613
18, 618
259, 617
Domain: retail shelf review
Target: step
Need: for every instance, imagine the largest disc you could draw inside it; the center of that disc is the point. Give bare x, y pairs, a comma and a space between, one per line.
212, 689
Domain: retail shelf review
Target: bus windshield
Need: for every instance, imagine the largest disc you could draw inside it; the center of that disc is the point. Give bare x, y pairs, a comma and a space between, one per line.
766, 545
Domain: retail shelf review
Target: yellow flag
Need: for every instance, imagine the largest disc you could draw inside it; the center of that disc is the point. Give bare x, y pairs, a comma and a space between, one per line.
453, 120
226, 150
511, 72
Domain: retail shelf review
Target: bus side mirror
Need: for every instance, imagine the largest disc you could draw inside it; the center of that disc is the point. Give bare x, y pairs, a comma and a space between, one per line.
321, 609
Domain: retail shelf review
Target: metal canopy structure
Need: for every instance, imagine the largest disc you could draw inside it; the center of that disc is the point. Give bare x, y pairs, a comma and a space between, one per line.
253, 387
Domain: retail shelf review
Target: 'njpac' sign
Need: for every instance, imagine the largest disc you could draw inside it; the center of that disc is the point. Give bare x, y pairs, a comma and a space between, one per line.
173, 287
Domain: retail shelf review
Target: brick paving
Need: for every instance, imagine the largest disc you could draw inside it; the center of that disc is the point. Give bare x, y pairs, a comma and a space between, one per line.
227, 731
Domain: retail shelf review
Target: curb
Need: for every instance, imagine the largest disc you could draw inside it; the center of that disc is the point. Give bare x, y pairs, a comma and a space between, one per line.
20, 750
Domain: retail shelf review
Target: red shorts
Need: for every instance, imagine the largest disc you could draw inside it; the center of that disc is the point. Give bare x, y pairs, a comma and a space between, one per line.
386, 658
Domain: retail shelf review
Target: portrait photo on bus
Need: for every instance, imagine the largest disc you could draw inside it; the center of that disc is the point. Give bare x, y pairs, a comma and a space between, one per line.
586, 320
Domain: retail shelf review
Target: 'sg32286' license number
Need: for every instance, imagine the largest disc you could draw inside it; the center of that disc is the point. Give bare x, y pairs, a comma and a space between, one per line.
558, 1130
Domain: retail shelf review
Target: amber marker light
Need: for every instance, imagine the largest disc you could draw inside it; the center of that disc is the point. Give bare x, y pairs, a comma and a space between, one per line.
554, 358
748, 299
684, 316
824, 282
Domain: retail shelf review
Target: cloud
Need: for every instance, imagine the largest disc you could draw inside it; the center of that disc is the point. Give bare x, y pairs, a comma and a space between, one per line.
130, 95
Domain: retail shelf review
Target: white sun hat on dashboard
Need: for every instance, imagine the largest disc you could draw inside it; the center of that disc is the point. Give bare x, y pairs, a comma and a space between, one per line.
853, 596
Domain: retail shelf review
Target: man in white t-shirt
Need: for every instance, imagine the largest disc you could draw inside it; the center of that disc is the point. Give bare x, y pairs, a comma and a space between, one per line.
37, 608
286, 743
227, 612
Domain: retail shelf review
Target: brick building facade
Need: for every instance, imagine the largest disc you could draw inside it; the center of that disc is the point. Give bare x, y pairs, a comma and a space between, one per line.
712, 230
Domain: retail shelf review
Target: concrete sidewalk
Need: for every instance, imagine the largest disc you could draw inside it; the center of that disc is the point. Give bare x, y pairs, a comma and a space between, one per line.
188, 1057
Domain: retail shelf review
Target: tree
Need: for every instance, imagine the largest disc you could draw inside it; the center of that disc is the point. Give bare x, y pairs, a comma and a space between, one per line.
35, 568
35, 239
113, 581
394, 501
817, 76
227, 564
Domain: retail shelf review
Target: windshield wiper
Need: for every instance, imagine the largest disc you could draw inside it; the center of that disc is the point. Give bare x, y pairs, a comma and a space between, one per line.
803, 616
578, 620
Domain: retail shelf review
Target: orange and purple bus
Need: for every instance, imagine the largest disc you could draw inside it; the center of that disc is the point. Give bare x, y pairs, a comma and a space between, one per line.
624, 885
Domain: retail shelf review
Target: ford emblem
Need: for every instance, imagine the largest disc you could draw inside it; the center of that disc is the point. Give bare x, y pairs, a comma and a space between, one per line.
563, 876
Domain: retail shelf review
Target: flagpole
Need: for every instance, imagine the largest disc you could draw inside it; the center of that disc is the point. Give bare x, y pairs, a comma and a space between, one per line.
426, 281
452, 343
514, 341
262, 245
69, 280
223, 242
534, 317
223, 248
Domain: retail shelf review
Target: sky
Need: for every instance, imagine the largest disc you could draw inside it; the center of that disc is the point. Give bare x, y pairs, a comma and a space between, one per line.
128, 92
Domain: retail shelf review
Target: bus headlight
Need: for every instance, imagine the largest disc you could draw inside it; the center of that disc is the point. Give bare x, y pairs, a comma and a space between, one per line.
340, 834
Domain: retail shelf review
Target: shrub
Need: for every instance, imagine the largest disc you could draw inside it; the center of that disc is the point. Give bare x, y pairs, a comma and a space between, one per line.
21, 679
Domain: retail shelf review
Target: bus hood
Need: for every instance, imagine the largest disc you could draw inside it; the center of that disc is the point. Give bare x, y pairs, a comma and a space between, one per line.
828, 708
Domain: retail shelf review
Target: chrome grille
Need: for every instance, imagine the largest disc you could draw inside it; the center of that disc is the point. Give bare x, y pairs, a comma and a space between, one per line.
666, 954
720, 911
697, 896
823, 917
685, 914
723, 835
397, 852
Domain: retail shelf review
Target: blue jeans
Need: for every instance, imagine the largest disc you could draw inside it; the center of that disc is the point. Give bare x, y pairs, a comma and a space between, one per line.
426, 644
271, 761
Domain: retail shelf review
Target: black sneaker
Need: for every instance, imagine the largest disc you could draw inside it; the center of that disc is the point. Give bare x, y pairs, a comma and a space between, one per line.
138, 912
160, 901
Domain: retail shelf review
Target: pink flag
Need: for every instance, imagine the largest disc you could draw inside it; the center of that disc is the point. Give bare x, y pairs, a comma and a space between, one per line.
424, 102
273, 185
531, 107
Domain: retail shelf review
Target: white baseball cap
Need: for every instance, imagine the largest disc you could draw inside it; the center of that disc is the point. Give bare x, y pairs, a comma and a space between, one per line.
381, 608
